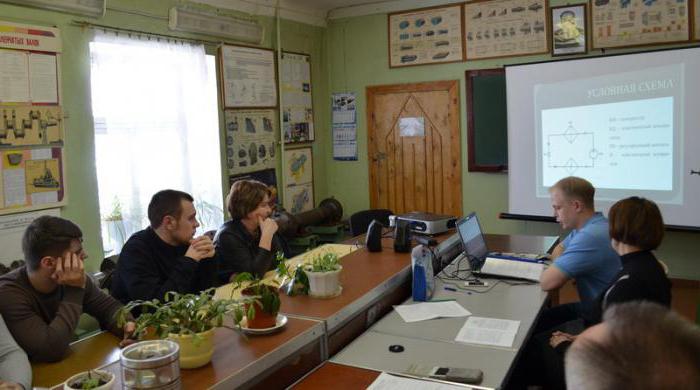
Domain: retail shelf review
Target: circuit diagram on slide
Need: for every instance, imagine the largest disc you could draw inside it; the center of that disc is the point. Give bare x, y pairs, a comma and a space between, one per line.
571, 150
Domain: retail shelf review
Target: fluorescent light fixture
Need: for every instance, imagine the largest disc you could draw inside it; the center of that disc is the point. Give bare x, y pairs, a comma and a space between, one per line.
94, 8
189, 20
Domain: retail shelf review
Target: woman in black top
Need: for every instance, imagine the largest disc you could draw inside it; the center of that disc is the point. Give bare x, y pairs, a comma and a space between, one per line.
249, 241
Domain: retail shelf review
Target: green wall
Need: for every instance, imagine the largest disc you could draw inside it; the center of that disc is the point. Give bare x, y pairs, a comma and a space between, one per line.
83, 207
358, 57
347, 56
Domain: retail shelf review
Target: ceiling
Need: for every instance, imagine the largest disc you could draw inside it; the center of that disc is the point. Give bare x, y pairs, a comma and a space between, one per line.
318, 12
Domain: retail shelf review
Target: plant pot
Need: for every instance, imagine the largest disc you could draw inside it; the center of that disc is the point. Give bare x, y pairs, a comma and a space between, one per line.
194, 353
262, 319
106, 376
324, 284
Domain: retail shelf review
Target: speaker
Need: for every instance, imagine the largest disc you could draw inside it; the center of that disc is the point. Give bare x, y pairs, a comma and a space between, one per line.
402, 238
373, 238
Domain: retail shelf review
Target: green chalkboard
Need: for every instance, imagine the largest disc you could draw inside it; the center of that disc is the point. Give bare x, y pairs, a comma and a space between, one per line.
487, 120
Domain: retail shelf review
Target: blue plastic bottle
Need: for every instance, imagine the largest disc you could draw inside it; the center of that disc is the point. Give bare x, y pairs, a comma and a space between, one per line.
423, 281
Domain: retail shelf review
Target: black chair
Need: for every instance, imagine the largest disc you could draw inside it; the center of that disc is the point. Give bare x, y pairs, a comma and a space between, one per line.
359, 222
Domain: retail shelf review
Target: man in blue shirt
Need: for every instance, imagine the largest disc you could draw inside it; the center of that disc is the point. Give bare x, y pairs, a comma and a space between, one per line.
585, 255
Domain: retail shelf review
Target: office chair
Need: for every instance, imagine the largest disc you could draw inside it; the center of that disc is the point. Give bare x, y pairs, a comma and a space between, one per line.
359, 222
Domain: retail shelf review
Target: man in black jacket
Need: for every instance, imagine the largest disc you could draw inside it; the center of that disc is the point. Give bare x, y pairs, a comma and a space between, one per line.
165, 256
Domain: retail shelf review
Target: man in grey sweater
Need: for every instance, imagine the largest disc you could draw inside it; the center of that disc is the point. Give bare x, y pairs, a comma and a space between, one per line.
15, 371
42, 301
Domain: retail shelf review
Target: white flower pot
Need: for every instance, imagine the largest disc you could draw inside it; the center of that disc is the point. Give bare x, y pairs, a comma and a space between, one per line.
105, 375
324, 284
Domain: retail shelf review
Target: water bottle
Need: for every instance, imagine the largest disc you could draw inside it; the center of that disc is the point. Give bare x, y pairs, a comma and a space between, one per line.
423, 280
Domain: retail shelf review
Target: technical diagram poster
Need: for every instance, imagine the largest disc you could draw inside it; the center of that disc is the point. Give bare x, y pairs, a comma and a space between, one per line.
30, 126
298, 180
344, 126
638, 22
499, 28
297, 107
250, 140
426, 36
30, 178
248, 77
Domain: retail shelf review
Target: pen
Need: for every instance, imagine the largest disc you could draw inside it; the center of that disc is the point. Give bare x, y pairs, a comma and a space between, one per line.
450, 289
441, 300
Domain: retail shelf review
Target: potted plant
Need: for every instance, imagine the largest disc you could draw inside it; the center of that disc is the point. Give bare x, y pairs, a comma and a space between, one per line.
263, 301
93, 379
323, 272
187, 319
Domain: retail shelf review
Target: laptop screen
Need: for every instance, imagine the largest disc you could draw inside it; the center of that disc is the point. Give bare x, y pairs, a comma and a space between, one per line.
472, 240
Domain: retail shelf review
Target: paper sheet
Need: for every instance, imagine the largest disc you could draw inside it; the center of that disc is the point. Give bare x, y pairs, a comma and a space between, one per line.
488, 331
429, 310
388, 381
14, 79
43, 79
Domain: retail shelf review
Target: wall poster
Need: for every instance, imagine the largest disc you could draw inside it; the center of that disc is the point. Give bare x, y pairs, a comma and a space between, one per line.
31, 178
297, 106
696, 23
267, 176
636, 22
503, 28
250, 140
298, 180
426, 36
248, 77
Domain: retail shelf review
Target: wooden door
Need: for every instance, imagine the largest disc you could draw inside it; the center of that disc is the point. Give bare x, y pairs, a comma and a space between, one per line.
415, 171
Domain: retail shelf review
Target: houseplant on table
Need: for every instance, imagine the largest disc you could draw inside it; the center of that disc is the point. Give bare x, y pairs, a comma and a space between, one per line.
93, 379
323, 272
187, 319
263, 301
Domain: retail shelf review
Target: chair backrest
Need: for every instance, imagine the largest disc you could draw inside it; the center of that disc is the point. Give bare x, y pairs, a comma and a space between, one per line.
359, 222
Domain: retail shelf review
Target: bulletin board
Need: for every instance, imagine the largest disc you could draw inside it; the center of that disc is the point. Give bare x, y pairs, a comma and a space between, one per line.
32, 131
297, 105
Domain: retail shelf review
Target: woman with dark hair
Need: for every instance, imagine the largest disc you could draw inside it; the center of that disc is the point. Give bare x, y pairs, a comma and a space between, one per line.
249, 241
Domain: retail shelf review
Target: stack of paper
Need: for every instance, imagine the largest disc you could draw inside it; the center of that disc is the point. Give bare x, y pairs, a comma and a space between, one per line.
488, 331
386, 381
429, 310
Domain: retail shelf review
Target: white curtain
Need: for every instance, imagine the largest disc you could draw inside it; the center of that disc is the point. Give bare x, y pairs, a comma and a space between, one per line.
154, 106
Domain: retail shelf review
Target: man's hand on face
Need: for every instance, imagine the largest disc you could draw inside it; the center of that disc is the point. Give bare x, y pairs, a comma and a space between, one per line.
69, 270
200, 248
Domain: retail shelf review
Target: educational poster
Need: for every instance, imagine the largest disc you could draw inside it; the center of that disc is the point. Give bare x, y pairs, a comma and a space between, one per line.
298, 180
248, 77
426, 36
250, 140
12, 229
502, 28
344, 126
29, 37
28, 77
266, 176
638, 22
298, 112
31, 178
30, 126
696, 24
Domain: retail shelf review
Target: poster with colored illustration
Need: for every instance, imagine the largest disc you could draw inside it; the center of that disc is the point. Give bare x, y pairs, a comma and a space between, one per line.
298, 180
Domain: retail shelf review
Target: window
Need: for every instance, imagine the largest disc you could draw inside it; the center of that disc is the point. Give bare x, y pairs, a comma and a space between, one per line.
154, 105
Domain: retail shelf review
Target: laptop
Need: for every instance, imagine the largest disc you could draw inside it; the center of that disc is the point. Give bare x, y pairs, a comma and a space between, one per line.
483, 262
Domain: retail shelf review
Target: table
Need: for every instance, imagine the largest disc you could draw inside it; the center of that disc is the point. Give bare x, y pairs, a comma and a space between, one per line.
274, 360
338, 377
432, 342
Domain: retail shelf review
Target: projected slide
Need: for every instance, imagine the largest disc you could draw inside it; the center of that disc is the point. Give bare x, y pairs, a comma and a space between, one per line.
623, 145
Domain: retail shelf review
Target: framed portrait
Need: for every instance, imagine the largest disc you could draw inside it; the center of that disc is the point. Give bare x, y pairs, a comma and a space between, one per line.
569, 30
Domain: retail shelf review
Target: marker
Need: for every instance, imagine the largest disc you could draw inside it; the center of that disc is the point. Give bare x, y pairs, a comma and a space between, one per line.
450, 289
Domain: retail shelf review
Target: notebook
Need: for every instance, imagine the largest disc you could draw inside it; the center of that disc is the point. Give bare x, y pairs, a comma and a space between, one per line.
483, 262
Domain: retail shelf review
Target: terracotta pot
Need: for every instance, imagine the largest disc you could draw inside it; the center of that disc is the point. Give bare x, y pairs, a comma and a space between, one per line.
262, 318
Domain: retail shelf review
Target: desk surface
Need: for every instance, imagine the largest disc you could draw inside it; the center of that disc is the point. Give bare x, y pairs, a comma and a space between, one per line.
337, 377
236, 360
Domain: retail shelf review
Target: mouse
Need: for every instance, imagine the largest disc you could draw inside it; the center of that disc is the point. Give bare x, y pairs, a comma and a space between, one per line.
396, 348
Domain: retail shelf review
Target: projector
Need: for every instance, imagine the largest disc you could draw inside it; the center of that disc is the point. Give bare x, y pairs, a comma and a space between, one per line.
425, 223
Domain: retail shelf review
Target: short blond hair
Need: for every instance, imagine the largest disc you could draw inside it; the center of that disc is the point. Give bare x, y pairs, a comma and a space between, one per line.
576, 188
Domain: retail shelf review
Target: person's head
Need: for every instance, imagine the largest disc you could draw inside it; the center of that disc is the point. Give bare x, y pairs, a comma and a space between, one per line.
639, 345
567, 16
636, 222
46, 239
172, 214
248, 200
572, 201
